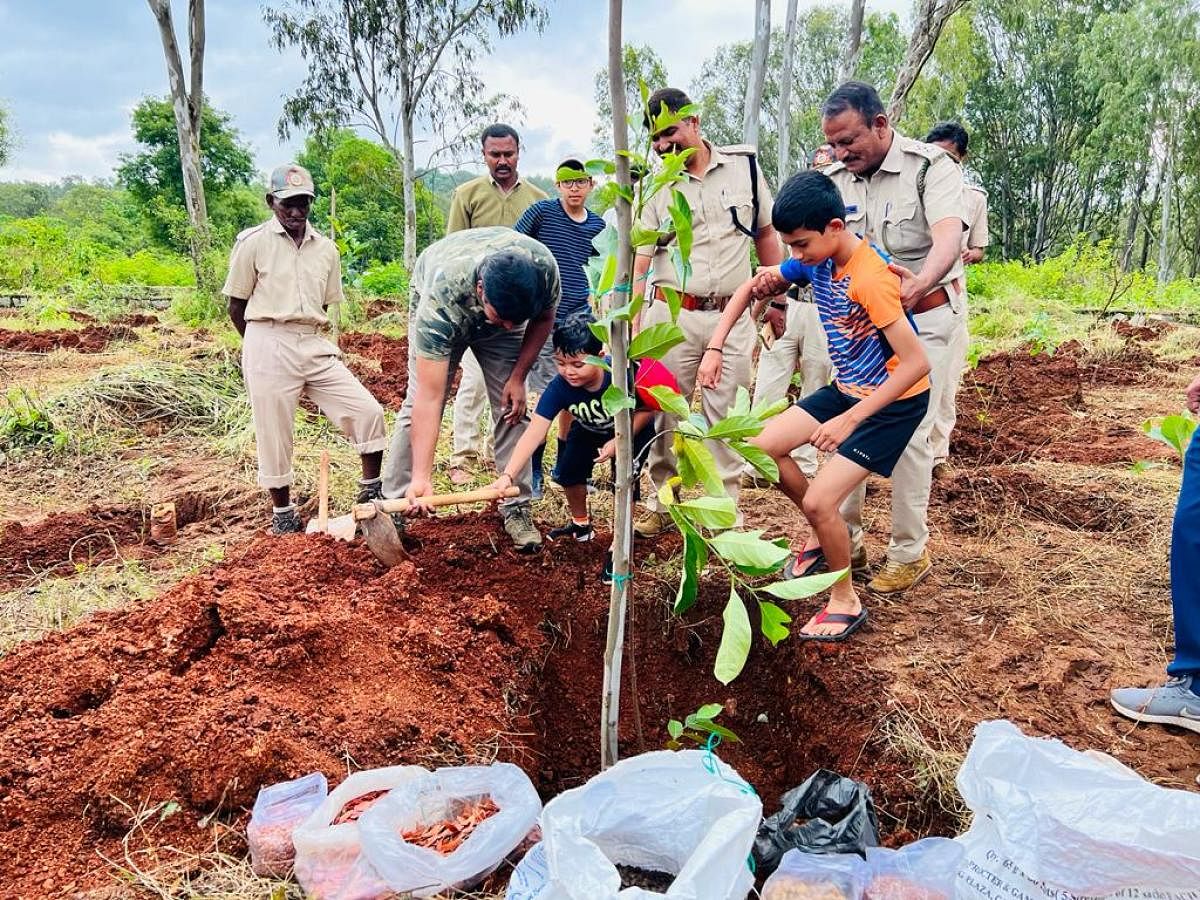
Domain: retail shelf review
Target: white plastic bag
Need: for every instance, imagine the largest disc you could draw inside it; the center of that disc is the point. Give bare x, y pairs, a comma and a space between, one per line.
817, 876
438, 795
278, 809
661, 811
924, 870
1051, 822
329, 860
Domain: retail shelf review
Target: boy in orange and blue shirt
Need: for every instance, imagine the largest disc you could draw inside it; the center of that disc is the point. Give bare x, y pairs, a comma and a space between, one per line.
879, 395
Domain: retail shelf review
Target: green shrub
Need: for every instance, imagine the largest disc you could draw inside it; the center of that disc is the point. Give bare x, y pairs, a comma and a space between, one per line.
198, 309
388, 280
25, 425
145, 267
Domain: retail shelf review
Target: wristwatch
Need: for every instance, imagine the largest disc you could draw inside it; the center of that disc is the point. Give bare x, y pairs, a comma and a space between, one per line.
775, 304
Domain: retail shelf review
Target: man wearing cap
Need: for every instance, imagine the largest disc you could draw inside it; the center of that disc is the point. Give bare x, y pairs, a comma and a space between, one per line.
282, 276
731, 212
498, 198
492, 291
906, 197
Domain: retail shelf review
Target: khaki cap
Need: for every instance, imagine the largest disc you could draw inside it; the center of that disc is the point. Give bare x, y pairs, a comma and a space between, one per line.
291, 180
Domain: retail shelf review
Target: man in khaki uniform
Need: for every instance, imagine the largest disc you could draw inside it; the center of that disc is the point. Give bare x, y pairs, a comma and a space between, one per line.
906, 197
282, 276
498, 198
953, 138
731, 212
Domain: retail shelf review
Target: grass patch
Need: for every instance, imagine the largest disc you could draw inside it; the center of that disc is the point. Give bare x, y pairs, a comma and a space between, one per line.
934, 761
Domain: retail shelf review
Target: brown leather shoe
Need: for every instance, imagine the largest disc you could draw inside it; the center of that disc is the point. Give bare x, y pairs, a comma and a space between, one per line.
895, 576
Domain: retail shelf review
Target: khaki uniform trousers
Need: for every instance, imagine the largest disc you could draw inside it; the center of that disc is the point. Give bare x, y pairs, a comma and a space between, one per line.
281, 361
939, 331
496, 355
947, 412
470, 404
803, 341
684, 362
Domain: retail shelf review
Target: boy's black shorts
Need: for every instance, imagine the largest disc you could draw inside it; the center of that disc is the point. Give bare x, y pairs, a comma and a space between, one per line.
878, 442
577, 456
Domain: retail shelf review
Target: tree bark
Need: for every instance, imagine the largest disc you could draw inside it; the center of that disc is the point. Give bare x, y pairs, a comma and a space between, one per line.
853, 49
931, 18
1164, 241
752, 109
188, 105
622, 542
784, 121
1135, 214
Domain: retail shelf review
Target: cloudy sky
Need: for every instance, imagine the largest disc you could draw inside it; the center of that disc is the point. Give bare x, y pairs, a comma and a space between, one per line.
72, 70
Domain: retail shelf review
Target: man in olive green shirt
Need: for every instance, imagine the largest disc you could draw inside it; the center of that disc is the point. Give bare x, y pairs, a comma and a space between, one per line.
497, 198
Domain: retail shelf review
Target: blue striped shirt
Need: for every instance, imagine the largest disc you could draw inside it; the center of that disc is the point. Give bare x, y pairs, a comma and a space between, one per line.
571, 244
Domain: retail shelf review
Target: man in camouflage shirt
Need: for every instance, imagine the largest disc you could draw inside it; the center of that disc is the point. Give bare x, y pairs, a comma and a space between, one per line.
492, 291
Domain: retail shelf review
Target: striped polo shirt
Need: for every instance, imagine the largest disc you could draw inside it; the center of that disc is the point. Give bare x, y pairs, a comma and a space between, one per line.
571, 244
855, 303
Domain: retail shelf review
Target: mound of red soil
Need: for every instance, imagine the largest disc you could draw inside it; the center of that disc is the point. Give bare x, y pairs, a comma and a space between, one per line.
1017, 406
57, 543
973, 497
391, 381
92, 339
302, 653
1152, 330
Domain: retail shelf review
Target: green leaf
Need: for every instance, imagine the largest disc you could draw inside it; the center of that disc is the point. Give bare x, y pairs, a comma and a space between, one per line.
695, 558
741, 402
747, 548
710, 512
799, 588
670, 400
709, 711
608, 276
735, 639
615, 399
600, 330
689, 472
762, 413
641, 236
675, 729
774, 622
702, 462
666, 493
1174, 431
597, 361
735, 428
600, 167
709, 727
681, 217
674, 300
759, 458
655, 341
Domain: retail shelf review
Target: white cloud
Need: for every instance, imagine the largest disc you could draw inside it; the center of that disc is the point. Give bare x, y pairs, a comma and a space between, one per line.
61, 153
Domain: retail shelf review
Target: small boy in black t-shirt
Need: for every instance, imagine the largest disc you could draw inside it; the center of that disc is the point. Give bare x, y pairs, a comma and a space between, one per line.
579, 388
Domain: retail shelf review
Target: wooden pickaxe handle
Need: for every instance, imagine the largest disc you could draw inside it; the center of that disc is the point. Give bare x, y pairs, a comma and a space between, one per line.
368, 510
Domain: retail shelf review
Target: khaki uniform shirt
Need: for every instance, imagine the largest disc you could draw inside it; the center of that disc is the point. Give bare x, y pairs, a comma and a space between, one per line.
889, 210
976, 235
283, 282
720, 252
479, 203
446, 313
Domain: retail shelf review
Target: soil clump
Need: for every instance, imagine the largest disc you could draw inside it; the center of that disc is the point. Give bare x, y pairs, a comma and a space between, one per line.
387, 379
977, 498
1018, 406
91, 339
57, 543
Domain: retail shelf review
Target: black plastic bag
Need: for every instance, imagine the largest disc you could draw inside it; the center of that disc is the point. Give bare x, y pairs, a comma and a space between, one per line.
826, 814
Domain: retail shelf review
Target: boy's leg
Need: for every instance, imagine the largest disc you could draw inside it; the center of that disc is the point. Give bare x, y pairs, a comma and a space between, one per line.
576, 495
576, 457
837, 478
775, 368
780, 436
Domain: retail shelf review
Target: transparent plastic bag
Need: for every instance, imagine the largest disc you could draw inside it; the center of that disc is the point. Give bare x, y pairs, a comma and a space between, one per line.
329, 861
1051, 821
278, 809
817, 876
438, 796
663, 811
924, 870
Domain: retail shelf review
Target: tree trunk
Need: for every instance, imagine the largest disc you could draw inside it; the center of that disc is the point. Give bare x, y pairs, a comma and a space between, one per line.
853, 49
188, 108
784, 121
931, 18
1135, 212
752, 110
622, 542
1164, 241
410, 192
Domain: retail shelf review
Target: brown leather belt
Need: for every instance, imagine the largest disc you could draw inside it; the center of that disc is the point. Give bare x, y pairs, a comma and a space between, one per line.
695, 302
932, 300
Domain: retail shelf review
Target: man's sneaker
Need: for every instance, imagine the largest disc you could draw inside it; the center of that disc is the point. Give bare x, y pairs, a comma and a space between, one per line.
518, 524
750, 481
1172, 704
286, 522
895, 576
370, 490
942, 471
580, 533
653, 524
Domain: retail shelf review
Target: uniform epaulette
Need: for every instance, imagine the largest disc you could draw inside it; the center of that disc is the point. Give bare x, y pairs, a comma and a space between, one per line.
975, 187
740, 150
835, 166
246, 232
920, 148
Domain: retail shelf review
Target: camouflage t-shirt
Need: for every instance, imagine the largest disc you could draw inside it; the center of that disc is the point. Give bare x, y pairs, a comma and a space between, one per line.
445, 312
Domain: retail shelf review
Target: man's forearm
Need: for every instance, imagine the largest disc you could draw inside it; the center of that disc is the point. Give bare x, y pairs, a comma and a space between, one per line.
945, 252
237, 314
423, 433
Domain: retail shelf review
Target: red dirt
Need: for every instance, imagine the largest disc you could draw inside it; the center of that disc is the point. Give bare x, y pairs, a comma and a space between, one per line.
58, 542
1017, 406
978, 496
1152, 330
92, 339
389, 383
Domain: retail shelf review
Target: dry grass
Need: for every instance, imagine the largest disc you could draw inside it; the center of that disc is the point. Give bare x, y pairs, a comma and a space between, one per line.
921, 741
